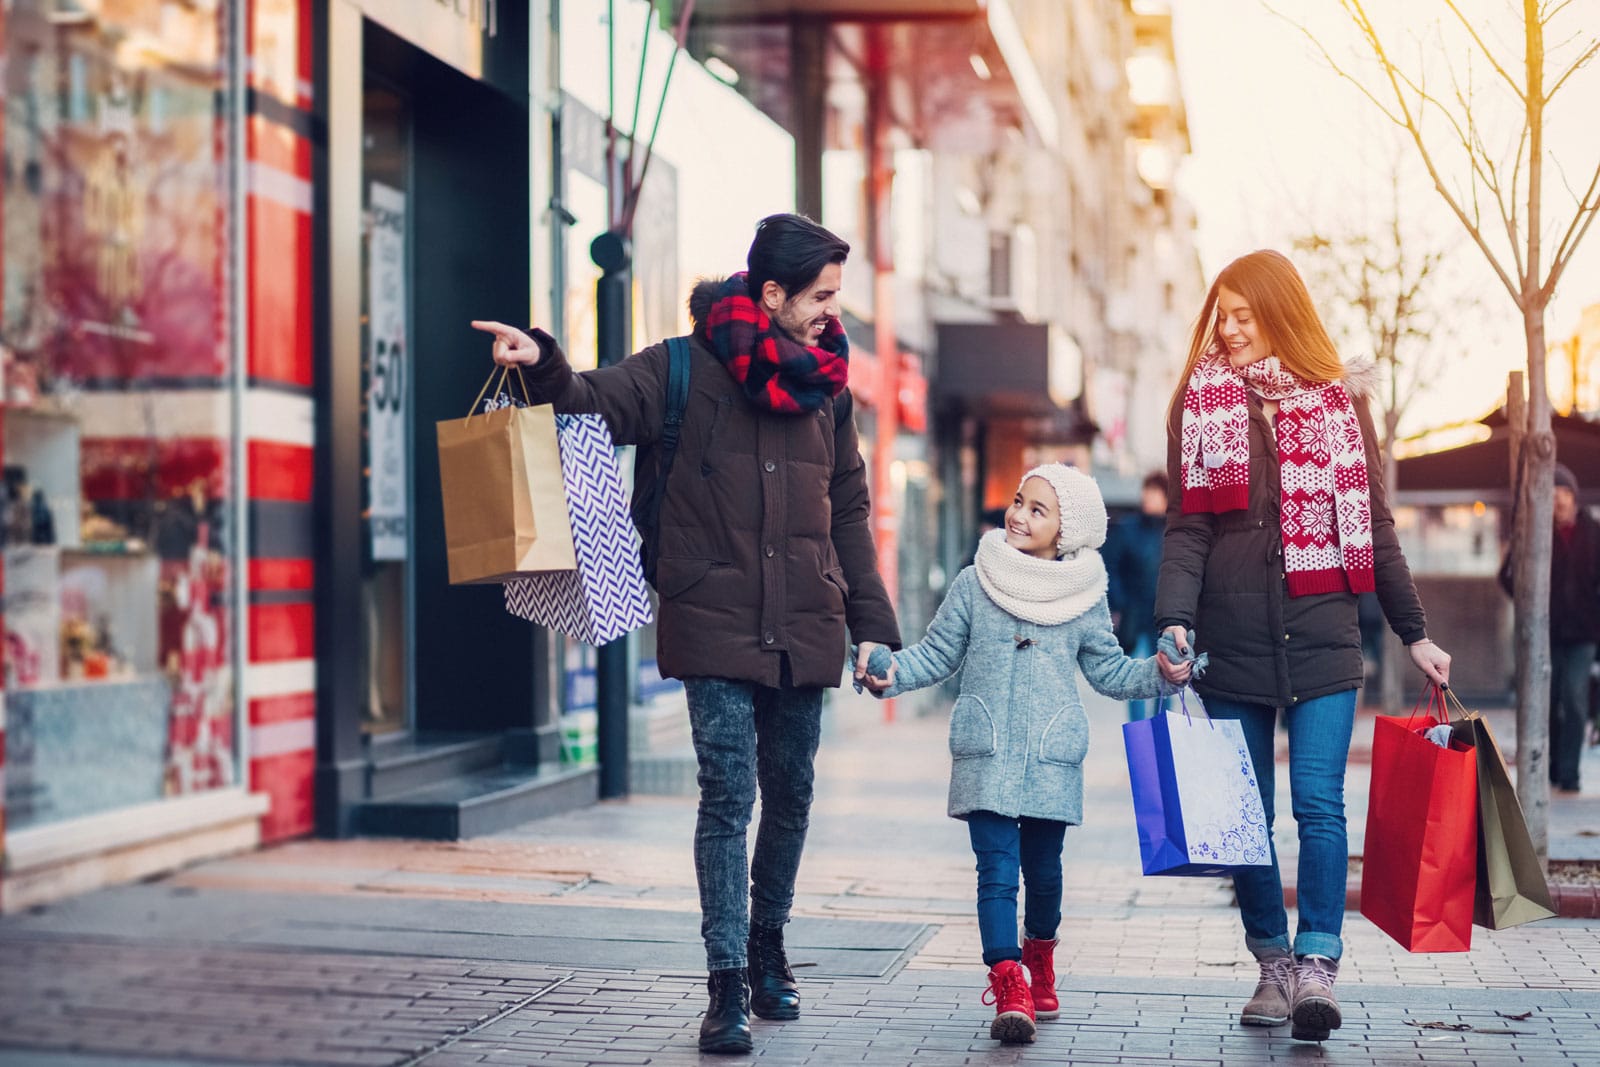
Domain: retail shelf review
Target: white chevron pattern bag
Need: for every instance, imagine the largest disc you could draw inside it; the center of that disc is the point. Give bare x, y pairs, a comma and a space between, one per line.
605, 596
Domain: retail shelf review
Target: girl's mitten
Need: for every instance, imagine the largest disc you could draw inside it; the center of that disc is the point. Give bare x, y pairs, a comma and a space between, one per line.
1168, 644
878, 664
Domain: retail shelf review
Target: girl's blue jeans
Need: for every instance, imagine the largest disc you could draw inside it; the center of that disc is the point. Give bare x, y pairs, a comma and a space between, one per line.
1006, 847
1319, 747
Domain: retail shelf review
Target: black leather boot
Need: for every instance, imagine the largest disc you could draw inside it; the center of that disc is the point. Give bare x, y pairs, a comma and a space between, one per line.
773, 994
726, 1027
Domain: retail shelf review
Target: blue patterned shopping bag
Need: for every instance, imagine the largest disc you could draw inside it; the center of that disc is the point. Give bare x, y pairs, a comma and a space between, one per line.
1195, 796
605, 596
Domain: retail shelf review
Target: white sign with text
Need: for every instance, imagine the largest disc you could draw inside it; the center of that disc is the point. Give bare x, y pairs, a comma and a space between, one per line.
387, 359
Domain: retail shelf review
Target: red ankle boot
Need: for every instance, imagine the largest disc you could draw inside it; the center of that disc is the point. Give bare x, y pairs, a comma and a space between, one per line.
1013, 1005
1039, 957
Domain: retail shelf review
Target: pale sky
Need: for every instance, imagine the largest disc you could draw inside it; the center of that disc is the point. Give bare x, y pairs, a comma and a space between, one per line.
1281, 143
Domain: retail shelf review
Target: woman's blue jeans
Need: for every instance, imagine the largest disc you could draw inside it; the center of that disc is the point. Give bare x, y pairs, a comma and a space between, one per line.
1006, 847
745, 736
1319, 747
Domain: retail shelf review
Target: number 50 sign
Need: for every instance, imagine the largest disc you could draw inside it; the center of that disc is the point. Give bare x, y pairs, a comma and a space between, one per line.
386, 381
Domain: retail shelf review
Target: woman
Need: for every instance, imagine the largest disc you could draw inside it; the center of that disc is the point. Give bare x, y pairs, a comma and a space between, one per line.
1279, 520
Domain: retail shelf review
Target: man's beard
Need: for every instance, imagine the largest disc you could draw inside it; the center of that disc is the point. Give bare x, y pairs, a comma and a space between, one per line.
797, 331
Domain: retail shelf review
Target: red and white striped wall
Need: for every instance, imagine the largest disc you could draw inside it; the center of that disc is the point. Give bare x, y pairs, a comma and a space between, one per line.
3, 8
280, 674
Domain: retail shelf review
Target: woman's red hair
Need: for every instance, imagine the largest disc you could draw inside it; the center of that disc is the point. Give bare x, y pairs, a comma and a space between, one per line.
1284, 314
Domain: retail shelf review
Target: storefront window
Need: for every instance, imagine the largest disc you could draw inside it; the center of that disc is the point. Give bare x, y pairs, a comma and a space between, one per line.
116, 504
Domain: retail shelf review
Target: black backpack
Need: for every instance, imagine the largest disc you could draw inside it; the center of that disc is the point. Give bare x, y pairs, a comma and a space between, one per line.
647, 496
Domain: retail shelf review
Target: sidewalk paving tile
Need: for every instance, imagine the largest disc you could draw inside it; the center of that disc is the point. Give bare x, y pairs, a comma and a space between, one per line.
574, 941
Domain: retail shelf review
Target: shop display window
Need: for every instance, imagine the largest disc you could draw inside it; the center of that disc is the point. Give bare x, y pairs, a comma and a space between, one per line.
116, 399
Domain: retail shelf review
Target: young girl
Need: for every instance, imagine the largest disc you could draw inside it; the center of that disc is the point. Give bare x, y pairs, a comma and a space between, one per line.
1019, 624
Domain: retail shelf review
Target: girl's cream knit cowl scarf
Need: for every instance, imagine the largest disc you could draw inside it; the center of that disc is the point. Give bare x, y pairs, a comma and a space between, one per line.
1043, 591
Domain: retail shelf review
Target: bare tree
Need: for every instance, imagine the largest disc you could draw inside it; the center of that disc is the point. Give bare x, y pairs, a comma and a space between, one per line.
1384, 295
1496, 189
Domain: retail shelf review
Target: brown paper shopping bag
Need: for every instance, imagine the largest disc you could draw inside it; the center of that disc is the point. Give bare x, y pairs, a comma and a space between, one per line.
1511, 885
505, 514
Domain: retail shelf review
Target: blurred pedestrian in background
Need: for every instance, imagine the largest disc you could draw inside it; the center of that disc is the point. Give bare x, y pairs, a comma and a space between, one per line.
1574, 625
1133, 559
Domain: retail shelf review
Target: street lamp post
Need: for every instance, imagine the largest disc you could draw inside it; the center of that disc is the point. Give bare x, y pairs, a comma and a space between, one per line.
613, 254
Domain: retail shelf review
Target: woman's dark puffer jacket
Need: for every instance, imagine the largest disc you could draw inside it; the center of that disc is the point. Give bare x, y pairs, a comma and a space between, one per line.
1224, 576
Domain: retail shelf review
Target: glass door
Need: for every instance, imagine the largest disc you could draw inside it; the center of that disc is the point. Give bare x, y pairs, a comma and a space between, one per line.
386, 408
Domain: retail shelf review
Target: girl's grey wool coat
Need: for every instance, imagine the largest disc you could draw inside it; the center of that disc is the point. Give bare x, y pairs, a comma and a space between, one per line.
1018, 733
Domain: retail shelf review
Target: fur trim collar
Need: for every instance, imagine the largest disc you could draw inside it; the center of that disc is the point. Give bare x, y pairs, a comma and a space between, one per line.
701, 297
1361, 377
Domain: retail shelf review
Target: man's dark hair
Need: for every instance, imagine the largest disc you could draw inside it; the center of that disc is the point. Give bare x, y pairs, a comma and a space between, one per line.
1157, 480
791, 250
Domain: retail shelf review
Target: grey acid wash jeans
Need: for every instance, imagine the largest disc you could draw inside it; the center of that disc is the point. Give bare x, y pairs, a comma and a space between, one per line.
745, 736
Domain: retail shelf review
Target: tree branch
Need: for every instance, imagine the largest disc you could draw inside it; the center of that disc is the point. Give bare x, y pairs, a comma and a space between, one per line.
1334, 66
1588, 207
1548, 14
1498, 69
1374, 41
1577, 65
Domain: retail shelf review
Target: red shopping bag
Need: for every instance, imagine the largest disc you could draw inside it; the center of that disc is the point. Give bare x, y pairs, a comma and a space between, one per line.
1419, 868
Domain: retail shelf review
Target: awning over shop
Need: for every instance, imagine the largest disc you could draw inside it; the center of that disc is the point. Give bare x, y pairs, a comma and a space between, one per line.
960, 73
994, 367
1482, 469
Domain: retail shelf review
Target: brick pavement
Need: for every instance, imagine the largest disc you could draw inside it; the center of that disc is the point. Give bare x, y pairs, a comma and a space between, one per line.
1151, 969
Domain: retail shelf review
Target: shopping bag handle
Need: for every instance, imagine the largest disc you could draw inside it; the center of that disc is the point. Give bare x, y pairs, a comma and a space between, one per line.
1449, 697
1432, 698
504, 371
1189, 719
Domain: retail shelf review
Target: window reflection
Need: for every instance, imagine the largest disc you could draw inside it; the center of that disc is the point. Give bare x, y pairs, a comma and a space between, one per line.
116, 393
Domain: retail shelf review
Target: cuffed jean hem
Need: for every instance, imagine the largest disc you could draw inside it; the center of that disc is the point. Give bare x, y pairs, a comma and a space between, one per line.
1312, 943
1263, 947
727, 965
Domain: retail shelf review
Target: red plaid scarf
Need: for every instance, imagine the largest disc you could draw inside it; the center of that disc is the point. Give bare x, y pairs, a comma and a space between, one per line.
1325, 510
777, 372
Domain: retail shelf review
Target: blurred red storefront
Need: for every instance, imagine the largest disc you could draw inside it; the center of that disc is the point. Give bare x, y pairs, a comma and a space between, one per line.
226, 619
150, 381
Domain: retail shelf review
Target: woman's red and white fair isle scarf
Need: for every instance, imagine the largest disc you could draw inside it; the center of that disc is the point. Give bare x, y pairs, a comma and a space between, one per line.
1326, 507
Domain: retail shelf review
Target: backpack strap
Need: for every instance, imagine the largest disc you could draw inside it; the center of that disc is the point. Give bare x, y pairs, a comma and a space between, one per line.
648, 517
677, 397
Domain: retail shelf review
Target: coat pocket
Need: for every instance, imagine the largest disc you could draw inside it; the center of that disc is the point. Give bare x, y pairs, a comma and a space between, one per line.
1066, 737
972, 731
835, 577
676, 576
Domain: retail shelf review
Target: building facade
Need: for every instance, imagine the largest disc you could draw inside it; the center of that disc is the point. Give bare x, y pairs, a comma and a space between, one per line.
242, 243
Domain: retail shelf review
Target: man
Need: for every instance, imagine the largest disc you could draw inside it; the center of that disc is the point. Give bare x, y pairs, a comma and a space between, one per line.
765, 557
1574, 625
1133, 559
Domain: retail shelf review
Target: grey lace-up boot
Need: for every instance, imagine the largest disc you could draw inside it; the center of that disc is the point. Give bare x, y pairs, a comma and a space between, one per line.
1270, 1004
1313, 1008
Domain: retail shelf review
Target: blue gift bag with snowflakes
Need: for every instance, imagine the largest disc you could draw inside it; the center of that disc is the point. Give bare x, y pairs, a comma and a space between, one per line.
605, 596
1195, 796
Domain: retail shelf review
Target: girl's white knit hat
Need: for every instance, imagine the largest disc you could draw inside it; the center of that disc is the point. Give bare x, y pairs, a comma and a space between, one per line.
1083, 510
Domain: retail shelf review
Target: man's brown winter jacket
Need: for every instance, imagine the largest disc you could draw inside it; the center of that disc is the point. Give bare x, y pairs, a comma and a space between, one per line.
766, 551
